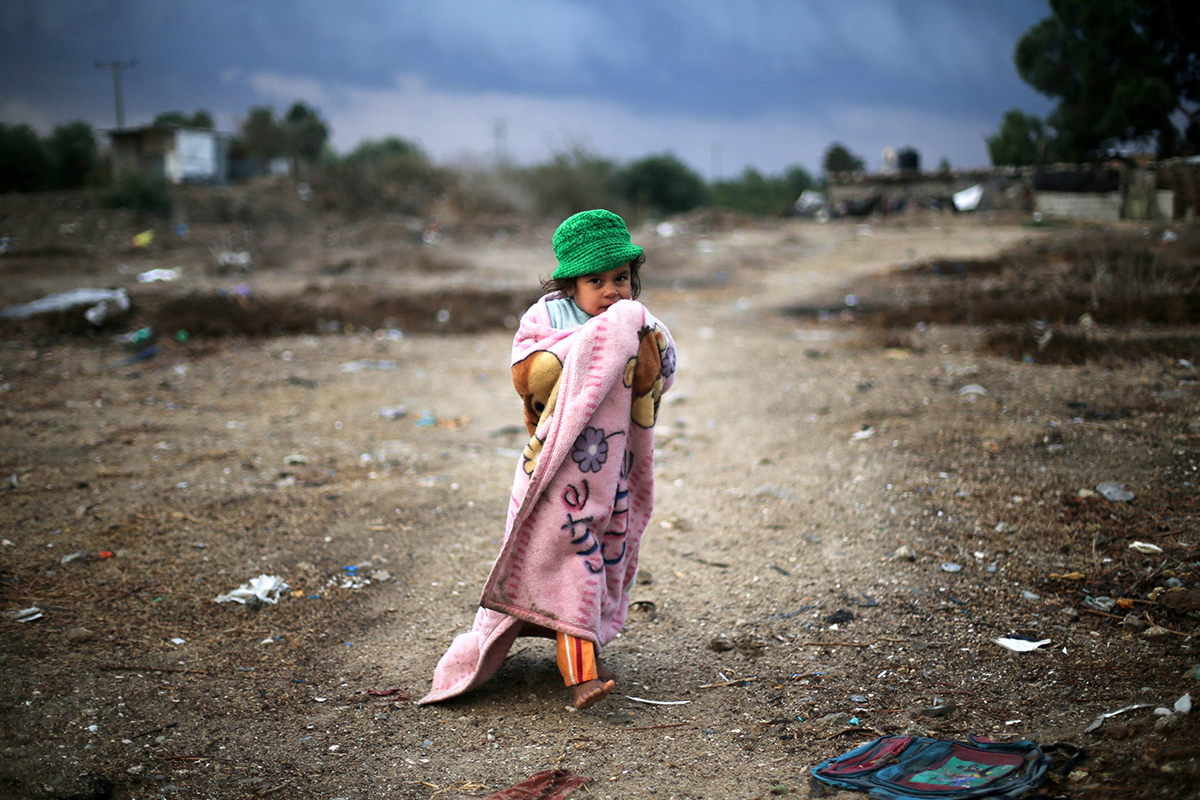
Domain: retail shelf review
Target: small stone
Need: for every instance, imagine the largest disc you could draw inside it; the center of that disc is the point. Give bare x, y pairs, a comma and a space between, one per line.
720, 644
1116, 492
80, 635
1133, 623
1169, 722
644, 577
904, 553
779, 789
1156, 632
944, 710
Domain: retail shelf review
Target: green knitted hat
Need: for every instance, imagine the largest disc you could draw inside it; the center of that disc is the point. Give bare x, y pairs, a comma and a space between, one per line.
590, 242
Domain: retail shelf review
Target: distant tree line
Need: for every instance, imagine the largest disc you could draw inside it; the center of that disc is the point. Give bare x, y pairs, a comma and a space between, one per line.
395, 174
1125, 74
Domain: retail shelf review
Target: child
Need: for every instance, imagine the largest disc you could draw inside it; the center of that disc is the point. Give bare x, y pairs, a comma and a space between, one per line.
590, 364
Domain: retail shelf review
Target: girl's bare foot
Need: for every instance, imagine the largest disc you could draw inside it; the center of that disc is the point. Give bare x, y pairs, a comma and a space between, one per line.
588, 693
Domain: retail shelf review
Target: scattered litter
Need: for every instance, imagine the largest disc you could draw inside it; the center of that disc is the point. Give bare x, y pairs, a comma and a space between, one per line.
393, 412
1100, 719
1145, 547
658, 702
143, 239
1020, 645
551, 784
972, 389
950, 566
78, 555
428, 419
296, 459
233, 258
266, 588
24, 614
968, 199
1115, 492
865, 433
99, 302
163, 275
363, 364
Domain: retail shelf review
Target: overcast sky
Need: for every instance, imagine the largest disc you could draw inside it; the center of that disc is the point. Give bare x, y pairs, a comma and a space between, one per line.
722, 84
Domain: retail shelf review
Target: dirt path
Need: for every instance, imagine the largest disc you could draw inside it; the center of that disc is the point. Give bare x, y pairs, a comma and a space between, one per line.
775, 626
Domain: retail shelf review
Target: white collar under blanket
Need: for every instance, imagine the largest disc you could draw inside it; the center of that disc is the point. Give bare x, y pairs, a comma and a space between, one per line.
583, 490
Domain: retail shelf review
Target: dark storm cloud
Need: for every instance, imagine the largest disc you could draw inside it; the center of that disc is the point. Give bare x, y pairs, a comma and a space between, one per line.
711, 65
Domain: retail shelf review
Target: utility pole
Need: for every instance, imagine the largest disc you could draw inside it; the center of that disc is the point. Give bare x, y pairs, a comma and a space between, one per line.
116, 67
500, 132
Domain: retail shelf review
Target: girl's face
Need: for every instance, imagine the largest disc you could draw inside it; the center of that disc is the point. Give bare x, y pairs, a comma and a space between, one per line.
595, 293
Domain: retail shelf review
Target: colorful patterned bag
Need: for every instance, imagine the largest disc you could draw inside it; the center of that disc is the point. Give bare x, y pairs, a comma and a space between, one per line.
917, 768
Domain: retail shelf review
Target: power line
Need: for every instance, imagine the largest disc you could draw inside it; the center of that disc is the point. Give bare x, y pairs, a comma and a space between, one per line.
116, 67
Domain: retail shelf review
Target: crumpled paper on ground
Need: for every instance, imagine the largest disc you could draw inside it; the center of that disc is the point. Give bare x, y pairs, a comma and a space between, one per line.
553, 784
266, 588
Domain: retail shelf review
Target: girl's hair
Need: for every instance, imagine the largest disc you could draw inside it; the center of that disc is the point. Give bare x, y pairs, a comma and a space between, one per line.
561, 285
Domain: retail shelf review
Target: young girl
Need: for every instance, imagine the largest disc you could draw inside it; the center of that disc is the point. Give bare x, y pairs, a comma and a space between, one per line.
590, 364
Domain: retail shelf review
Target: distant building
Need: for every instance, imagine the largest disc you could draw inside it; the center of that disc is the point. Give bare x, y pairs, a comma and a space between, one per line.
175, 153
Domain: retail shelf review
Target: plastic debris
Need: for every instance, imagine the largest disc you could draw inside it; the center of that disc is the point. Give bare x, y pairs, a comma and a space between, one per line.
950, 566
1100, 719
99, 302
972, 389
1145, 547
363, 364
865, 433
1115, 492
266, 588
658, 702
232, 258
24, 614
143, 239
393, 412
968, 199
1020, 645
164, 275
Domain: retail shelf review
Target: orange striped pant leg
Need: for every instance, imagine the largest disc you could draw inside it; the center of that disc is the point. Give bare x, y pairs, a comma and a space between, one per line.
576, 659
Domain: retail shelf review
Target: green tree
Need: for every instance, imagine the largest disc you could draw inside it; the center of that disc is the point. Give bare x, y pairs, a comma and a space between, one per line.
662, 184
1123, 71
838, 158
1023, 140
306, 133
199, 119
74, 155
261, 137
25, 163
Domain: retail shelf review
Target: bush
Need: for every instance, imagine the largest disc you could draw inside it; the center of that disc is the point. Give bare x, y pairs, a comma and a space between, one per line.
139, 192
573, 181
662, 184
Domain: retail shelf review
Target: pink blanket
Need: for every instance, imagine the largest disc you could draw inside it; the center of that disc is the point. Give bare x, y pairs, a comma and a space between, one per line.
583, 491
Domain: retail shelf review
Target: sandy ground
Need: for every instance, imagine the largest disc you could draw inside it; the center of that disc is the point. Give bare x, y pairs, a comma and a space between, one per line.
774, 624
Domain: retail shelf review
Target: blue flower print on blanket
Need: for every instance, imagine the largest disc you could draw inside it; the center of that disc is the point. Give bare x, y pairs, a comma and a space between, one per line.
591, 449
